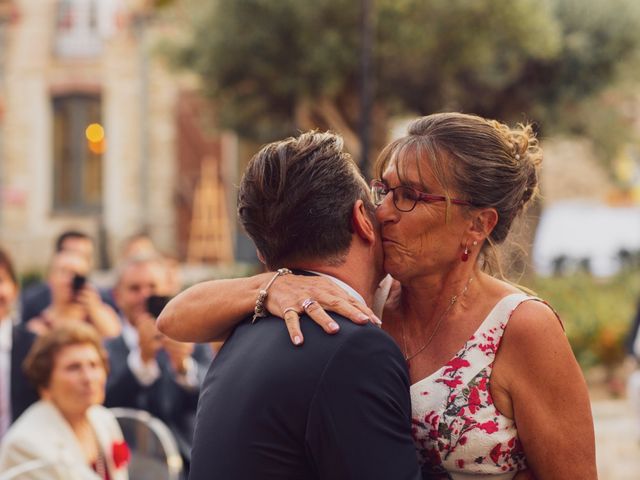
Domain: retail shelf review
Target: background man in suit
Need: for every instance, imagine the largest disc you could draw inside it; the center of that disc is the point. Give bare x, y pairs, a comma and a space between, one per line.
15, 341
148, 370
36, 297
337, 407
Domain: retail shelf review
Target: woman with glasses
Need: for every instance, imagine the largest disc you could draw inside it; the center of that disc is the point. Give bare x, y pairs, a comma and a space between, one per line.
496, 391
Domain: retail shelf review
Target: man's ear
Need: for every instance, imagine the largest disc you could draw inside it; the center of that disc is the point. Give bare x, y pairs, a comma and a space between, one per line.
362, 223
483, 223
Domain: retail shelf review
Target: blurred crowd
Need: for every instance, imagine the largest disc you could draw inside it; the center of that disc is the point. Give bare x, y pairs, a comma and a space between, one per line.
69, 348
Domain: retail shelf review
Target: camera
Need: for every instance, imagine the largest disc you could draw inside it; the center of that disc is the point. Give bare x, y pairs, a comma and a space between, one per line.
78, 283
155, 304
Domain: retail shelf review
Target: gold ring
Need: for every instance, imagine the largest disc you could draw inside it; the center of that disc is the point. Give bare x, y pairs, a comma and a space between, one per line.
290, 309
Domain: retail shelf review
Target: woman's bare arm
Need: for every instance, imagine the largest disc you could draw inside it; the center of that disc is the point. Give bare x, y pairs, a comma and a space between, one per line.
549, 397
209, 311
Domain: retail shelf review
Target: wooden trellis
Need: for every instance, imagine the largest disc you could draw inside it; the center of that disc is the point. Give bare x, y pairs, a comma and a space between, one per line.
210, 233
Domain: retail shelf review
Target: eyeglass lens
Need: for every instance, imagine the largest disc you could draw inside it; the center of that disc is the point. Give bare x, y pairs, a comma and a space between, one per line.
404, 198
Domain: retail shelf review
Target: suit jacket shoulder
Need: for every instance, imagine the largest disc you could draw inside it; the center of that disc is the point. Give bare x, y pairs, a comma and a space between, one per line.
359, 421
22, 393
363, 430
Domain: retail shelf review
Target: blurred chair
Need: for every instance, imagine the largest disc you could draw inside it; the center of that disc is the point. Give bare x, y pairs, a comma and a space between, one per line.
39, 467
154, 451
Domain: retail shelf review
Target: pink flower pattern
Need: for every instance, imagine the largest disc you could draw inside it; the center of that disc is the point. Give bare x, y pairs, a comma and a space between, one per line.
456, 427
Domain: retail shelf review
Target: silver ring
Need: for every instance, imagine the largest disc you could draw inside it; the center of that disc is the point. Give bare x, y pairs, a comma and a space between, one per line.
307, 303
289, 309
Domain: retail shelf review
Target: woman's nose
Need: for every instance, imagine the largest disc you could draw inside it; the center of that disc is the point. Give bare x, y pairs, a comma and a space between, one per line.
386, 211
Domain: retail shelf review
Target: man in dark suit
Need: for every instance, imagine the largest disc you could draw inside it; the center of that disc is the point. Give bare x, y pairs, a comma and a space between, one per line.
337, 407
23, 394
16, 394
148, 370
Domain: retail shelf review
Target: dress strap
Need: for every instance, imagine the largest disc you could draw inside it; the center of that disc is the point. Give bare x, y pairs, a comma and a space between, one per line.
537, 299
495, 323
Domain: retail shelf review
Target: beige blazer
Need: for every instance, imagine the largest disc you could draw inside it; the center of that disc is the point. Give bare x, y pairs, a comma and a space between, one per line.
42, 433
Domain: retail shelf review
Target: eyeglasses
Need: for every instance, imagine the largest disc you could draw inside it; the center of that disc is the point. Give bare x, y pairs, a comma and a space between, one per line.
406, 198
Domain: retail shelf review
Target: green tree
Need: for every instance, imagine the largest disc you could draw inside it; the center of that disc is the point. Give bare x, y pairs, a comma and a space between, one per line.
277, 66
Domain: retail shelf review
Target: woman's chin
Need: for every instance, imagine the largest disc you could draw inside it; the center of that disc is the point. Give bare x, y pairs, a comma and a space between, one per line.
392, 268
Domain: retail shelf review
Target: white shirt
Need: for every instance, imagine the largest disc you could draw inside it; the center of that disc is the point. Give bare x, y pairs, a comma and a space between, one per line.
147, 373
345, 286
5, 374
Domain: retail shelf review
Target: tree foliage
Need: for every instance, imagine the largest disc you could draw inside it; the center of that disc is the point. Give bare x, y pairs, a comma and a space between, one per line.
275, 66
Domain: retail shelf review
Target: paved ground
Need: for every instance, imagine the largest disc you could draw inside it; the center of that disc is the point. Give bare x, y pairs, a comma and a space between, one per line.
617, 440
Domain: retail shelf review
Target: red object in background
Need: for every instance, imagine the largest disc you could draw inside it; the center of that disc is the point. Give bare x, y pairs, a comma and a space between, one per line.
121, 454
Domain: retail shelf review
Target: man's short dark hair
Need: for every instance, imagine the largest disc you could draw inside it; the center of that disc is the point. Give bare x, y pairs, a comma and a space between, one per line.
296, 199
64, 236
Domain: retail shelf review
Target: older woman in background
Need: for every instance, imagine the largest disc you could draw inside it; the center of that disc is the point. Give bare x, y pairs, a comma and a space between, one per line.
68, 430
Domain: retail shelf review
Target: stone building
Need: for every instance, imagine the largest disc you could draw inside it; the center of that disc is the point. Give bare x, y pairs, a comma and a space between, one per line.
68, 64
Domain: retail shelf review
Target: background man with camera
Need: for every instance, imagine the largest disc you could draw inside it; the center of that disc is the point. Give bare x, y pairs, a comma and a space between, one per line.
37, 296
73, 298
150, 371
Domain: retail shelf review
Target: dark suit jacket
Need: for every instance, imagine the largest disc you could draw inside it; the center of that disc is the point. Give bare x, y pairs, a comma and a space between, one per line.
166, 399
336, 408
631, 335
22, 393
33, 300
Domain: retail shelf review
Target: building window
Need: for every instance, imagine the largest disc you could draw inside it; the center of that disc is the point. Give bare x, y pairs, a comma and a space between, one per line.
77, 29
77, 154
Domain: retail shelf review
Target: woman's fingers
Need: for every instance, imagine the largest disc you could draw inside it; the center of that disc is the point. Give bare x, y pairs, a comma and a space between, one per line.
350, 308
292, 321
320, 316
292, 296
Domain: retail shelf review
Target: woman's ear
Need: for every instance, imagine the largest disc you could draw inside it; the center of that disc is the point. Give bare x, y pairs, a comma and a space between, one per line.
260, 257
483, 223
362, 222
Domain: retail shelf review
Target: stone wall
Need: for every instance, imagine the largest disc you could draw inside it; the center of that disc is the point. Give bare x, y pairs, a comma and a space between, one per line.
138, 96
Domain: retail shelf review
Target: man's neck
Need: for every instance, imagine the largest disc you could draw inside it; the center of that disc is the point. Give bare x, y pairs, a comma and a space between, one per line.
361, 280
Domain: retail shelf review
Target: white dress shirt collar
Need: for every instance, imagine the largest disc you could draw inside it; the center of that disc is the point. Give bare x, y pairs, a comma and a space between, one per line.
5, 374
345, 286
5, 334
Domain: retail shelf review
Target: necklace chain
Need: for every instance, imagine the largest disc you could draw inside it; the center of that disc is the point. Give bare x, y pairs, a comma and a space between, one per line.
452, 302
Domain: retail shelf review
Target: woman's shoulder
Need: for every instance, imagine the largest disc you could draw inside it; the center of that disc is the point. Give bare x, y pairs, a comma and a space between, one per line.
102, 415
35, 415
526, 313
534, 337
105, 423
31, 431
533, 315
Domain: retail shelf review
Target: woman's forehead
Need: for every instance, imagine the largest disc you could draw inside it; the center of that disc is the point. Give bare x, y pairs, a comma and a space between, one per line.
74, 350
411, 167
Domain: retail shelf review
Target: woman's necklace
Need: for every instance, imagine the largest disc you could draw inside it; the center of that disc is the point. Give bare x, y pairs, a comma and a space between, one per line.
452, 302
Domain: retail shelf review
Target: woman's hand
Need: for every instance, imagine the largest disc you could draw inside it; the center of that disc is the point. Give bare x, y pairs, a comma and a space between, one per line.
209, 311
289, 292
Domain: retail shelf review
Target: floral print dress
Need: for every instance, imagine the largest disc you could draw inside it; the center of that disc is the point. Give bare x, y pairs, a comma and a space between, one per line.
456, 427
